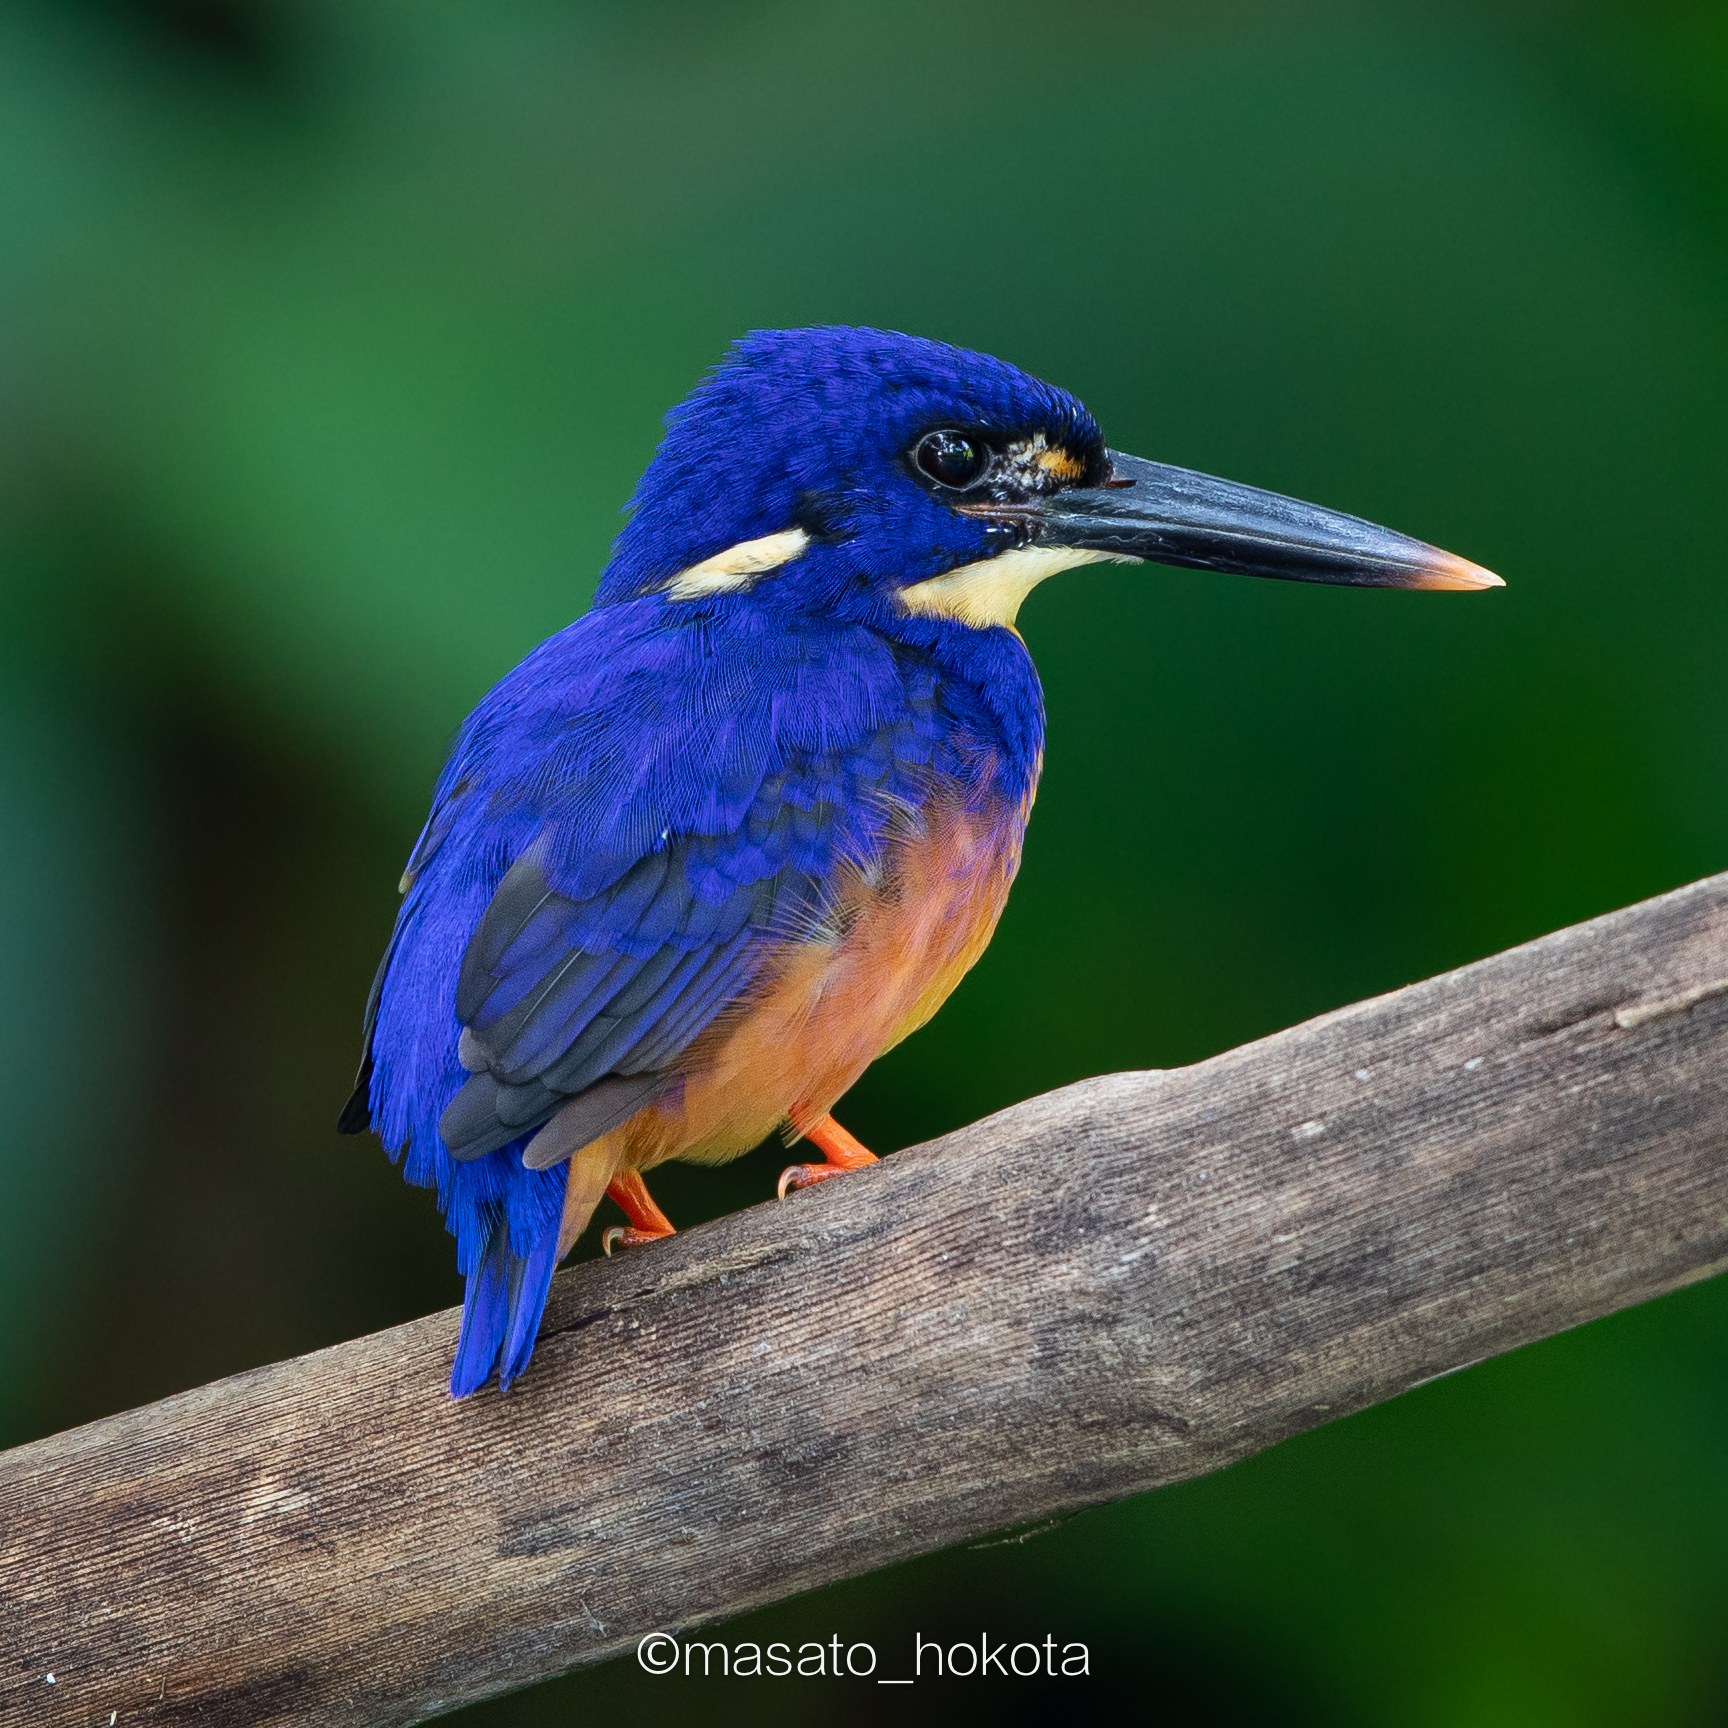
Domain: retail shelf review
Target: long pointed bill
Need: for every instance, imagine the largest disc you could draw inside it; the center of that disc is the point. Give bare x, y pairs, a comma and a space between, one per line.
1169, 515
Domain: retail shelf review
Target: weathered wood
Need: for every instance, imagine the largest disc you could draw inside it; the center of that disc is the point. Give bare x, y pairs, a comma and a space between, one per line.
1118, 1285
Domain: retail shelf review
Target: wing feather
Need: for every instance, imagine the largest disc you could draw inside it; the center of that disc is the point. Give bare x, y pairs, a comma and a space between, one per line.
655, 819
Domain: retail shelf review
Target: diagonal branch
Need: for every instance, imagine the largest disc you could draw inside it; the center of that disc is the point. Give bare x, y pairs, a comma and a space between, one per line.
1115, 1286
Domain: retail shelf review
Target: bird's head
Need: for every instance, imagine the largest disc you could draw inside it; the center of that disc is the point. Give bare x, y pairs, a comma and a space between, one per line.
868, 475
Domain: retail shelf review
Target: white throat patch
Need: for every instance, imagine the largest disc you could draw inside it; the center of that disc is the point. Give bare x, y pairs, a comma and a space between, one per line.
993, 590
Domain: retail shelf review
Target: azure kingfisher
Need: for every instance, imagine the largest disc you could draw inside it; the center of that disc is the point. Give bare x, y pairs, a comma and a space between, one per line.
714, 847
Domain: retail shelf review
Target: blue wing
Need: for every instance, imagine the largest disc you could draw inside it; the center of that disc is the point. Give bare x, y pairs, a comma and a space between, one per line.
597, 962
563, 999
628, 825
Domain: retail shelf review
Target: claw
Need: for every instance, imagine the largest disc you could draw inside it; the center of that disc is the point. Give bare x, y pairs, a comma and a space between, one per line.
796, 1176
620, 1237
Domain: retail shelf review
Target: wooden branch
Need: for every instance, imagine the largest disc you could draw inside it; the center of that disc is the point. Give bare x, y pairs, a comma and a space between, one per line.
1116, 1286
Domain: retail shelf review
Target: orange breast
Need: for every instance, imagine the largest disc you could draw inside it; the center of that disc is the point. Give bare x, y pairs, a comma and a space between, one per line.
894, 946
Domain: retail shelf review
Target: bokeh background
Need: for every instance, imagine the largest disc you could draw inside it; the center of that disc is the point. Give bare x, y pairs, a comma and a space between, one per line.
332, 336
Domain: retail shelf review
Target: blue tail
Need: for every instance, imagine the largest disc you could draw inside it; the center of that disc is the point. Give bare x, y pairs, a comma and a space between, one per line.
508, 1277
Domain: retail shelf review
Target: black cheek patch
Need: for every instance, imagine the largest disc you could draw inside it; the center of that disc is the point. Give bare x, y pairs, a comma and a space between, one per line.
821, 515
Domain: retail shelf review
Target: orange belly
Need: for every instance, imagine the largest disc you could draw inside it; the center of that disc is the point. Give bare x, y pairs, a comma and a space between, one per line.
828, 1008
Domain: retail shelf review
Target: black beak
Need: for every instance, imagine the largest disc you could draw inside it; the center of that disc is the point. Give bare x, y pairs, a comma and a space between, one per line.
1146, 510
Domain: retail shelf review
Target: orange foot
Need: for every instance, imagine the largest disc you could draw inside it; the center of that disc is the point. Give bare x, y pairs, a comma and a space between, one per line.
647, 1222
838, 1147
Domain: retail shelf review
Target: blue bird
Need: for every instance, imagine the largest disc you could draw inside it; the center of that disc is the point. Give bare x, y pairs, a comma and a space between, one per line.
714, 847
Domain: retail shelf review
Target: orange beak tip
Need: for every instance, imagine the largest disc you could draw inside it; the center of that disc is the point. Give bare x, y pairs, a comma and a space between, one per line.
1459, 575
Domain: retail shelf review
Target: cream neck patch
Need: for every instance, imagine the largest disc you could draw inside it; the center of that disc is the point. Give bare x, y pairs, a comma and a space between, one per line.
732, 571
993, 590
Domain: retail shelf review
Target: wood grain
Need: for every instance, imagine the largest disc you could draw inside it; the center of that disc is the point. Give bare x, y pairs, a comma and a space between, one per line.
1115, 1286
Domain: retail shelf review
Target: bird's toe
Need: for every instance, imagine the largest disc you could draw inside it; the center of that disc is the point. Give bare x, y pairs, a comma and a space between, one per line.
620, 1236
796, 1176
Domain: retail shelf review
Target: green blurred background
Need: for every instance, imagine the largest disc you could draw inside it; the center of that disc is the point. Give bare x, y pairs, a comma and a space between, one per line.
332, 337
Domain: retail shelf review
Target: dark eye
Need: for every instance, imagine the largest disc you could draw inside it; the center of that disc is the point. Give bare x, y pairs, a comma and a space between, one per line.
949, 458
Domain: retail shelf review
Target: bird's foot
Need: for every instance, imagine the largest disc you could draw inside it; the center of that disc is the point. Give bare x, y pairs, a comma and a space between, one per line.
627, 1236
842, 1151
647, 1222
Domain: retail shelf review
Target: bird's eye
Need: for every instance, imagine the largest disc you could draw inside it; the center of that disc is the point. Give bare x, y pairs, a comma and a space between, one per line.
949, 458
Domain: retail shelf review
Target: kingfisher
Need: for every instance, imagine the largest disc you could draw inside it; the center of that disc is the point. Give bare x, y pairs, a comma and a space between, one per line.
743, 826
